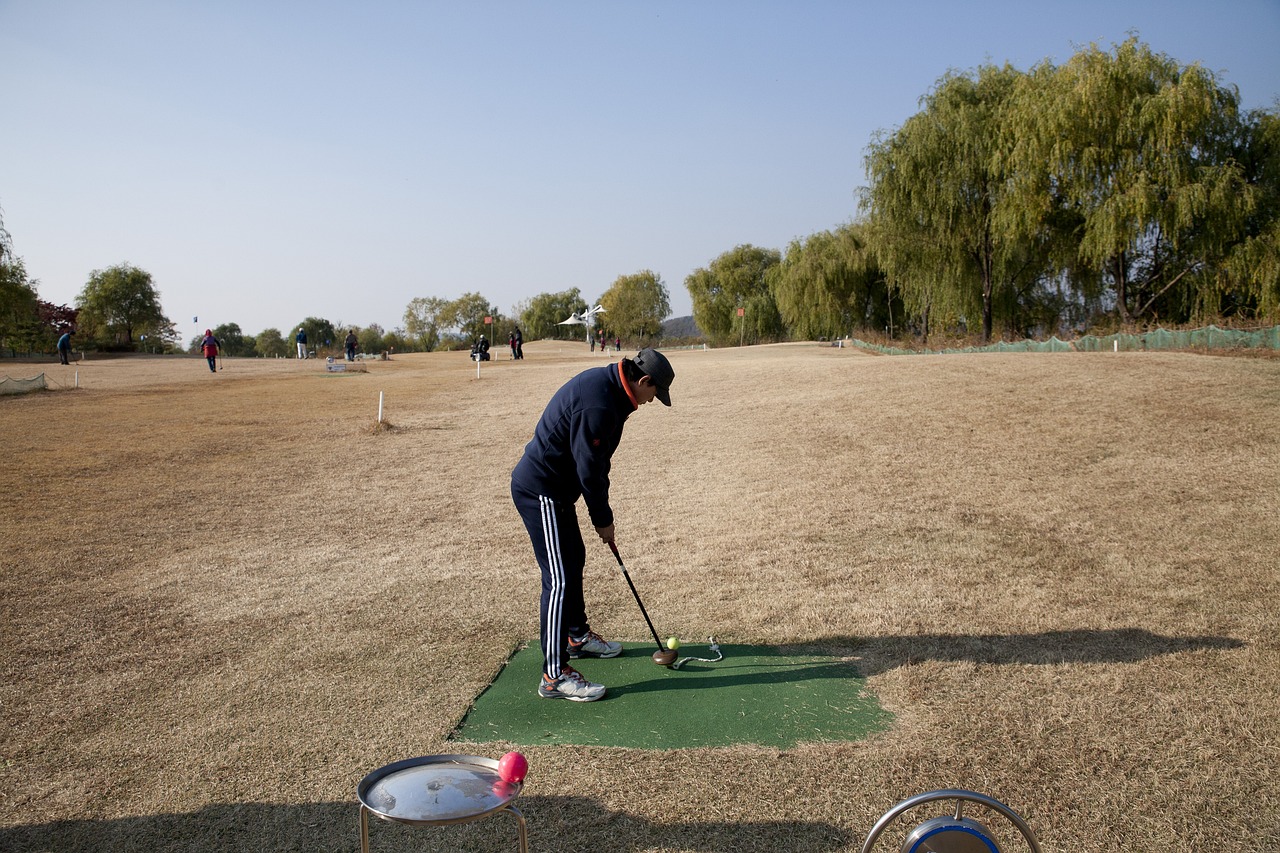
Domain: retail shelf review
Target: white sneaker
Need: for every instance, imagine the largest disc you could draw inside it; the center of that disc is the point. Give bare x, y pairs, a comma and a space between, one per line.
592, 645
570, 685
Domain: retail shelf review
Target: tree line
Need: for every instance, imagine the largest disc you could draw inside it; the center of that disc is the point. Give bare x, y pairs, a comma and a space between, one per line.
119, 310
1118, 189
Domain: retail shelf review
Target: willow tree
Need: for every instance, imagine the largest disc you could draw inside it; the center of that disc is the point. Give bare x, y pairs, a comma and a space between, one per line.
829, 283
1251, 274
269, 343
938, 188
635, 306
424, 319
541, 315
119, 303
1139, 148
739, 279
321, 334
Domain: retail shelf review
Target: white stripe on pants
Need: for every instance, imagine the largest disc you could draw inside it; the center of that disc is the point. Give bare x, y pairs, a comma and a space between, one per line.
552, 630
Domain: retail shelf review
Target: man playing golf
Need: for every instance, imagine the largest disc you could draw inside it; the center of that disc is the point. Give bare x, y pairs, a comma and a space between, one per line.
569, 457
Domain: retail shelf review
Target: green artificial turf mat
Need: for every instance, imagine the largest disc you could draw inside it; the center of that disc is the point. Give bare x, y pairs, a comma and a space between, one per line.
756, 695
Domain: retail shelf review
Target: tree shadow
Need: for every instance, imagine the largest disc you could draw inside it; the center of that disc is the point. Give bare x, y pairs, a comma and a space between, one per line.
845, 657
875, 655
555, 822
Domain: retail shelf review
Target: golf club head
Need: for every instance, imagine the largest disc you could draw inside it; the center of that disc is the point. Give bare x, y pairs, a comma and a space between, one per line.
664, 657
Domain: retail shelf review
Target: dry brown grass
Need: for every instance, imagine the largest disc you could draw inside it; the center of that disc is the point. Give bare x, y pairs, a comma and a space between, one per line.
228, 597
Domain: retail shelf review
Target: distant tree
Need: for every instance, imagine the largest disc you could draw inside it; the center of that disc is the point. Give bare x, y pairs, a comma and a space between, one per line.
467, 313
269, 343
321, 335
119, 303
57, 318
541, 317
19, 307
6, 242
232, 340
399, 340
829, 284
635, 306
370, 338
739, 278
424, 320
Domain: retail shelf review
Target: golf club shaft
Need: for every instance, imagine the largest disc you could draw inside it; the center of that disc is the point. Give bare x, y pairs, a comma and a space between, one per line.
614, 548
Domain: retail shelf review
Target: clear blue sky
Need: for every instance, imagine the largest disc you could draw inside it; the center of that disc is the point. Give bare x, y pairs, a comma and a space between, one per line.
268, 161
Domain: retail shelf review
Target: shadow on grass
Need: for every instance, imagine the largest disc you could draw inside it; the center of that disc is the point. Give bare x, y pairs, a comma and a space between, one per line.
756, 668
874, 655
555, 823
843, 657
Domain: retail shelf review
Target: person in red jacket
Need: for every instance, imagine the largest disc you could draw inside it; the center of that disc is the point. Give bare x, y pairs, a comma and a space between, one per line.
210, 347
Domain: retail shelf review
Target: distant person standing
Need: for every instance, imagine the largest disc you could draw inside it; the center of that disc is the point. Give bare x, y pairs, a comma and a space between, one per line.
511, 341
209, 348
617, 344
301, 339
351, 345
519, 344
64, 347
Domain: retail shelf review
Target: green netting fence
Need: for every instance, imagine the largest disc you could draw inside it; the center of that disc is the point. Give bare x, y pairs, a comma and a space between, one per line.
21, 386
1208, 338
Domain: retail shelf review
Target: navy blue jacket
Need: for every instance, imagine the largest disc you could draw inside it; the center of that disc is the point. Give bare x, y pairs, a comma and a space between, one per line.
573, 444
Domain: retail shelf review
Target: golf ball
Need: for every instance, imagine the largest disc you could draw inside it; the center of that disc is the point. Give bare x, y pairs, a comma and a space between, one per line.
673, 643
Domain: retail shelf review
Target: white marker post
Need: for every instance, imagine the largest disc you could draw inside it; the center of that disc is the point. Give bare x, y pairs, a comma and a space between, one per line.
379, 407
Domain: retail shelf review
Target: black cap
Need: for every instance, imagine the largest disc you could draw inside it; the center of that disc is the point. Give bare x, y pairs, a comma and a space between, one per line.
655, 365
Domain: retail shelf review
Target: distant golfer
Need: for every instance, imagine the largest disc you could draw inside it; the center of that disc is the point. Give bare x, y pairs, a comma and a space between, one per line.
209, 347
570, 456
351, 345
301, 340
64, 347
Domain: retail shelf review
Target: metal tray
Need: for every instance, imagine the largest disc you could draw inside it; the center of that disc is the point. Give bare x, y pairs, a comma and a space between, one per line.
436, 789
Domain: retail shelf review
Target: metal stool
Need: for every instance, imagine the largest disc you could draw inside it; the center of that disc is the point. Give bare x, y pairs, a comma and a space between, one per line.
438, 790
953, 833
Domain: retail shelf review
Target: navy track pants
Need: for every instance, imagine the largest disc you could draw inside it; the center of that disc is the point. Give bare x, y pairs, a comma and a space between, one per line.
557, 544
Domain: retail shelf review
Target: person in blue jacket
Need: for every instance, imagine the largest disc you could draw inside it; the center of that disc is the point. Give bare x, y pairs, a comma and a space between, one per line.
64, 347
569, 457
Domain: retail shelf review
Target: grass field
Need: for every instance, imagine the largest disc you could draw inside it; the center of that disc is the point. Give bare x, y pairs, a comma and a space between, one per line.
227, 597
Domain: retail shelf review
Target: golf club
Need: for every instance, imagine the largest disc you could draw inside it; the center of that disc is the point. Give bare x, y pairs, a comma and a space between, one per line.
663, 656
